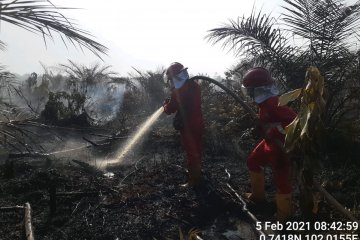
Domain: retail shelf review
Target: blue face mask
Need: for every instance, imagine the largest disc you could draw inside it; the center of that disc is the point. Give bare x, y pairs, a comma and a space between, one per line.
181, 78
263, 93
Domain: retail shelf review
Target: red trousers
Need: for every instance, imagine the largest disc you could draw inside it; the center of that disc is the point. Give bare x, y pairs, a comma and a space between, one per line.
269, 154
192, 143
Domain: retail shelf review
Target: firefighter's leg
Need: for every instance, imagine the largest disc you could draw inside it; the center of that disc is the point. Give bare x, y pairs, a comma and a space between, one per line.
283, 181
192, 142
255, 165
194, 168
283, 204
257, 194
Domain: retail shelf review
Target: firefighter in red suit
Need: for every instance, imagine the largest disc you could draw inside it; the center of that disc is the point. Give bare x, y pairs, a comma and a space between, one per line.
259, 85
186, 100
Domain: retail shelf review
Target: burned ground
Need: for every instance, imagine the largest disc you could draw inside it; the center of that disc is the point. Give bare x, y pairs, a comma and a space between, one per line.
144, 199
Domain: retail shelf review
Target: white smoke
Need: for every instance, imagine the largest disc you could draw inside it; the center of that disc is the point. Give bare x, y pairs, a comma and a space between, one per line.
104, 101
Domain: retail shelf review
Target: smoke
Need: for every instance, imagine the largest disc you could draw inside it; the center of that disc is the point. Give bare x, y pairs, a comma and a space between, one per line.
104, 101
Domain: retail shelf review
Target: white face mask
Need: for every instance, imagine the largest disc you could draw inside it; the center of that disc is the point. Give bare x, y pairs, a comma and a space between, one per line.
263, 93
181, 78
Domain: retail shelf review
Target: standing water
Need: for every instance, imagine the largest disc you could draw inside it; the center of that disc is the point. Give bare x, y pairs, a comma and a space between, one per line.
119, 157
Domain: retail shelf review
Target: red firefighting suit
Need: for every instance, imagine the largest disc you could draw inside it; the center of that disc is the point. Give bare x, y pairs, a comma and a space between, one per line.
188, 98
268, 152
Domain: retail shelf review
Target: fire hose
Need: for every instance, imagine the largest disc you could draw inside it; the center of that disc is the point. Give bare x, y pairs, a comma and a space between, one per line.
231, 93
244, 206
253, 114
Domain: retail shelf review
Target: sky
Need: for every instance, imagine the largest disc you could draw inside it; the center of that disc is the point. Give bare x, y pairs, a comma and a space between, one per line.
141, 34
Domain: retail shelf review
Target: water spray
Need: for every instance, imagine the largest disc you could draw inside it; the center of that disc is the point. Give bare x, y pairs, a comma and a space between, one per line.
119, 157
134, 139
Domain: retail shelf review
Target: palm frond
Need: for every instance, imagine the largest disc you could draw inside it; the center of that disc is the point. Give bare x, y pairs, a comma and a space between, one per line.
2, 46
6, 77
327, 24
88, 75
42, 17
256, 34
259, 39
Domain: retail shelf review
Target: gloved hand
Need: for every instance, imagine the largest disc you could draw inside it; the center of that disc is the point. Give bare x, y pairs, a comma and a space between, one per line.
166, 101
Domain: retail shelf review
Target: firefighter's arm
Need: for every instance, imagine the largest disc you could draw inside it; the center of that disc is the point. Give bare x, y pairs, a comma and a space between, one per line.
170, 104
280, 117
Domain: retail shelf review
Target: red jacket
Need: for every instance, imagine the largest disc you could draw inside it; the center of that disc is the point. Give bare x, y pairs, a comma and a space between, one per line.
275, 118
188, 97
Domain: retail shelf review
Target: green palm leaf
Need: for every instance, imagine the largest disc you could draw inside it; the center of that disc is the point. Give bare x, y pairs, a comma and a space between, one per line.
259, 39
42, 17
326, 24
256, 35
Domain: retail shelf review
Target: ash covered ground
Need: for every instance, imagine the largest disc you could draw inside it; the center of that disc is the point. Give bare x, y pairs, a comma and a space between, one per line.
142, 198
